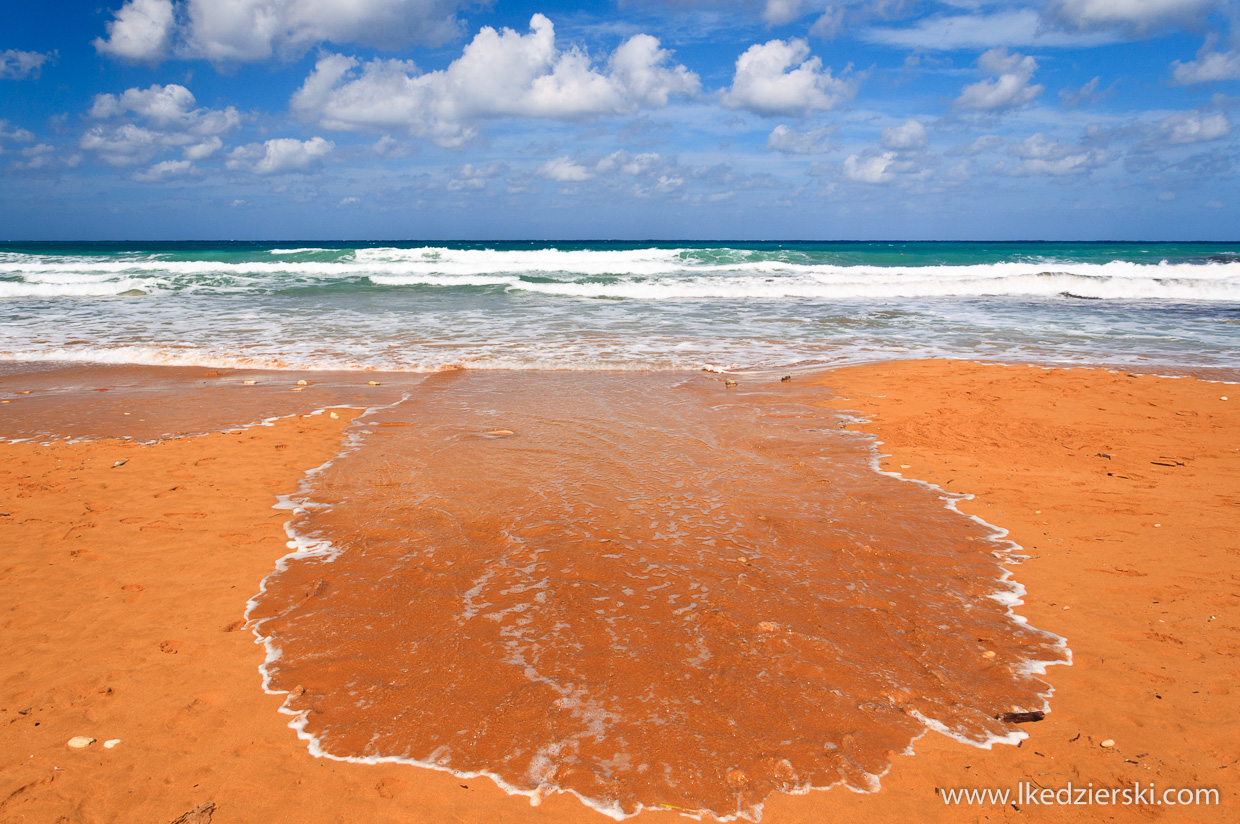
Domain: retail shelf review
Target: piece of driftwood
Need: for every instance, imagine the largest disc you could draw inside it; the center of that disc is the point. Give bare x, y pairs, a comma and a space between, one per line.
1021, 717
199, 815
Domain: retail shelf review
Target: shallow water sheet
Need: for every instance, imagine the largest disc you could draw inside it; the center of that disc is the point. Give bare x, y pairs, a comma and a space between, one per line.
646, 589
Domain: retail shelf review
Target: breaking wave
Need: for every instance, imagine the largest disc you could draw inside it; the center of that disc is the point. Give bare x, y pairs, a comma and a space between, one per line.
652, 274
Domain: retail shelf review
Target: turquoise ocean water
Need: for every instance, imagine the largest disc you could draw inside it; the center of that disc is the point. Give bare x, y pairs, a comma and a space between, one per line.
600, 305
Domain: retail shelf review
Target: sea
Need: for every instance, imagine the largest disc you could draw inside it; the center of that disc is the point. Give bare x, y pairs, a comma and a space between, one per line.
558, 548
422, 306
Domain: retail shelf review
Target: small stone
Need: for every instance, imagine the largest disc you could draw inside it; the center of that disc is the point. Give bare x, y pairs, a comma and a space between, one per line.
249, 383
1157, 524
373, 383
498, 433
297, 389
787, 378
1066, 607
905, 466
742, 560
333, 416
1223, 398
729, 382
303, 383
81, 742
1110, 742
988, 654
110, 743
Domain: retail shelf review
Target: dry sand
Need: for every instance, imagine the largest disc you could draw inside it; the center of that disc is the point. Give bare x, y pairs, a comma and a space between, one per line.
124, 586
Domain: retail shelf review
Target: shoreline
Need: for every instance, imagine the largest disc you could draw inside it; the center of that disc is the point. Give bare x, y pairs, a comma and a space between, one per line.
939, 440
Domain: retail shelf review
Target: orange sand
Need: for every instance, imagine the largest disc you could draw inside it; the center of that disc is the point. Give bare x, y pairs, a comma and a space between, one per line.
124, 588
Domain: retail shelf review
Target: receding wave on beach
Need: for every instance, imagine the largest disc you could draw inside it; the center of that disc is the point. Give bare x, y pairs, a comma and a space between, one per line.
650, 591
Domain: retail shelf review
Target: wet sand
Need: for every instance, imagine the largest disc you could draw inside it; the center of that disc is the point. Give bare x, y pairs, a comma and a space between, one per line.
653, 591
124, 588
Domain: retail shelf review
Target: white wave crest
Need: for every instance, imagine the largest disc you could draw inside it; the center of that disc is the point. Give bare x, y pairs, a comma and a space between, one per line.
635, 274
53, 287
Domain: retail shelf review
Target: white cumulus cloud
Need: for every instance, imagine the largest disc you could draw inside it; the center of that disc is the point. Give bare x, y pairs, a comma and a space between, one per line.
1010, 86
631, 164
499, 74
165, 170
16, 135
171, 120
200, 151
908, 136
122, 146
1194, 127
283, 155
1136, 15
471, 176
39, 156
873, 169
251, 30
642, 174
565, 170
780, 12
829, 23
780, 78
789, 141
142, 30
1041, 155
18, 65
1209, 67
170, 107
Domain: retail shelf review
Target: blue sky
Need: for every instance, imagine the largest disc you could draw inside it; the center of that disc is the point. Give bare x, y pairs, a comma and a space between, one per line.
815, 119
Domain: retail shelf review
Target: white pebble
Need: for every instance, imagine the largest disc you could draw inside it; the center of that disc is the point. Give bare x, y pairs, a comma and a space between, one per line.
1110, 742
80, 742
110, 743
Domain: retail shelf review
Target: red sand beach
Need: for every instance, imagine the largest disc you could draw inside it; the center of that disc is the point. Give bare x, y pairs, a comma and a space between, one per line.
127, 569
